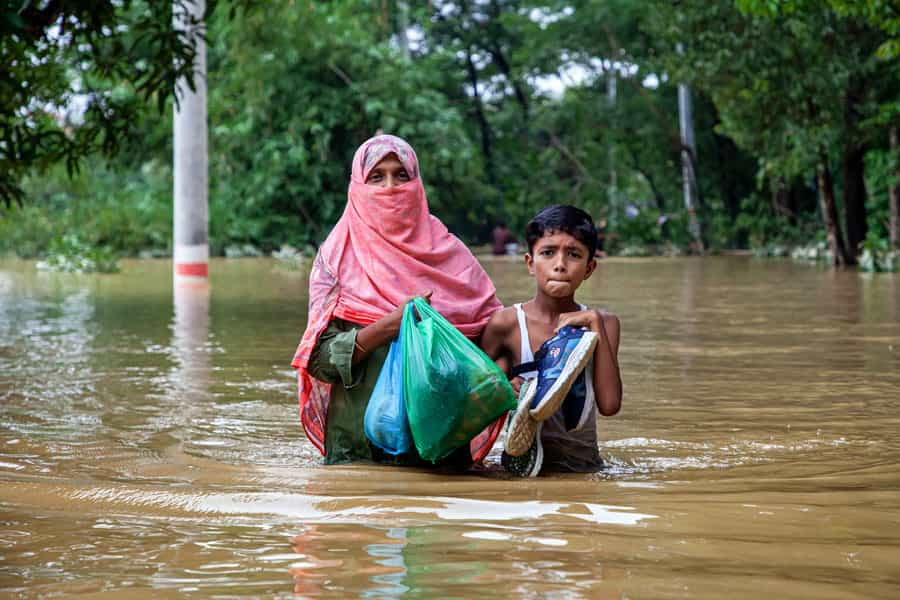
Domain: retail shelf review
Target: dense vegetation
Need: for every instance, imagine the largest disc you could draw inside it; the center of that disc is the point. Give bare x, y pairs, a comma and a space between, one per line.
508, 103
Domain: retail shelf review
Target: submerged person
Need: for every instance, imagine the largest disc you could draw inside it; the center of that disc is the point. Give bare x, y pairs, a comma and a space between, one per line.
385, 249
503, 240
561, 355
602, 235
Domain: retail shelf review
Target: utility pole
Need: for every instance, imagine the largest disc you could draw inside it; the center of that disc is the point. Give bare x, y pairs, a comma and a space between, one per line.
191, 212
688, 158
612, 192
894, 190
403, 27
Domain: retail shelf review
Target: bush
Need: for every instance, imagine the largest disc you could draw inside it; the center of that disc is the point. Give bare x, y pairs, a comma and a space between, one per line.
763, 228
877, 255
127, 213
72, 255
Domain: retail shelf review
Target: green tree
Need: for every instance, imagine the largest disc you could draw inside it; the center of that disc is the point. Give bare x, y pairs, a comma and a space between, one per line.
75, 76
794, 90
882, 74
471, 84
288, 110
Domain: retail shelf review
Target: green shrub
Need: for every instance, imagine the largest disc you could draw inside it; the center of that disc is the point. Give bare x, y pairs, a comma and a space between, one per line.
72, 255
877, 255
130, 213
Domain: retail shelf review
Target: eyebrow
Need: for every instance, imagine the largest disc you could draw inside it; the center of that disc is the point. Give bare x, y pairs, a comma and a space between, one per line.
557, 246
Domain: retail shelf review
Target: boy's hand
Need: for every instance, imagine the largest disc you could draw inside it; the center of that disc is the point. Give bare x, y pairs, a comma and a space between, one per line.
607, 380
581, 318
516, 383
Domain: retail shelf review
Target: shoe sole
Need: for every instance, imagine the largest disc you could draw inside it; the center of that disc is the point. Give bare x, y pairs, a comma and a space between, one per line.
575, 363
534, 463
539, 459
522, 427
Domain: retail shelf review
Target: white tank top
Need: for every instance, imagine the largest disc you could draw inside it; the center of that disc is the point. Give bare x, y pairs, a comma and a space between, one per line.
565, 450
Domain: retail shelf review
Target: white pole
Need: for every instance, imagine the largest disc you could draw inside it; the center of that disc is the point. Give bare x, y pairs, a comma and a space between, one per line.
403, 27
611, 153
191, 214
688, 156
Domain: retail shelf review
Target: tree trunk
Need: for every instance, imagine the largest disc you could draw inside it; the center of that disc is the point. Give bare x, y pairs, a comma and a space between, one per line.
725, 156
658, 198
830, 217
854, 197
894, 192
853, 165
482, 119
493, 48
782, 200
689, 163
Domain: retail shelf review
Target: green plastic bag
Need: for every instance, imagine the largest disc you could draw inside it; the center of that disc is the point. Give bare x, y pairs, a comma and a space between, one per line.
452, 389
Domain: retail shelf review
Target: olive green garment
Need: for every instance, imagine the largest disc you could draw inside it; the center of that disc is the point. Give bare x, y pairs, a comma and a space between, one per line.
332, 361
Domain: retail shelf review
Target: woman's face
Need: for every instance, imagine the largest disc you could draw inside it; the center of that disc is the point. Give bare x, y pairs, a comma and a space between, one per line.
388, 173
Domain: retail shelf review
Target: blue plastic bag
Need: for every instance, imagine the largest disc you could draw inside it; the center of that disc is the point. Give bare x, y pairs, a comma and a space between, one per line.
386, 424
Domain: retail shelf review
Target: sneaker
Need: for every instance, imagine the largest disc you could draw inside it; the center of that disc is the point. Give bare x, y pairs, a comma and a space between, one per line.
559, 362
529, 463
576, 408
522, 426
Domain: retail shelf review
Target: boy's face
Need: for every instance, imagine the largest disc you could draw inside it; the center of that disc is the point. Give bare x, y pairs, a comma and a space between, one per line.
559, 263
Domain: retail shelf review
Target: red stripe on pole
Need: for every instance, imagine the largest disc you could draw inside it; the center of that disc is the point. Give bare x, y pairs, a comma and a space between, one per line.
200, 269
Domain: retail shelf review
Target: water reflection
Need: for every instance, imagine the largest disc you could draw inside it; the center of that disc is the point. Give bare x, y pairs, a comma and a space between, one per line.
47, 357
429, 561
381, 566
687, 312
390, 556
756, 451
190, 336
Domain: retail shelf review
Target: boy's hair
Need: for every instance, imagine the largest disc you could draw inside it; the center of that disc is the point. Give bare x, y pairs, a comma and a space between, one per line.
563, 218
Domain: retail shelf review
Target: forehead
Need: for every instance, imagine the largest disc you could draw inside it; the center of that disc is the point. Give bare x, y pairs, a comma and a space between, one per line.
559, 239
384, 147
389, 162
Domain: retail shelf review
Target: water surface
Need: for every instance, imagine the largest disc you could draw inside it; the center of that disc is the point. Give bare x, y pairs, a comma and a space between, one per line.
149, 445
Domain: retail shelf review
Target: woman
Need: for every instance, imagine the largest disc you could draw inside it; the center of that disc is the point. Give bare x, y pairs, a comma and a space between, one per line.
385, 249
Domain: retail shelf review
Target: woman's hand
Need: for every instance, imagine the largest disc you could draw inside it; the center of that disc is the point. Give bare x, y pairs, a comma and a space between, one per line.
383, 330
395, 317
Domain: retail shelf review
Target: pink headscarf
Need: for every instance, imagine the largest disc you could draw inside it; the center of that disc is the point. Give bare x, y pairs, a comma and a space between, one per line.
384, 248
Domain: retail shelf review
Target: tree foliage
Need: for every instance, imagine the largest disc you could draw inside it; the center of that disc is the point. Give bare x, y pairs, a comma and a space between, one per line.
509, 104
75, 75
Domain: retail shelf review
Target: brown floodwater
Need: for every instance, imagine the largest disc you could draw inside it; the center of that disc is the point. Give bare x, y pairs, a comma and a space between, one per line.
150, 446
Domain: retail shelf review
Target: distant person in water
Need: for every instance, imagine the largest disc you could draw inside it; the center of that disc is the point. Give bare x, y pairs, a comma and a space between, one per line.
504, 240
384, 250
600, 252
561, 355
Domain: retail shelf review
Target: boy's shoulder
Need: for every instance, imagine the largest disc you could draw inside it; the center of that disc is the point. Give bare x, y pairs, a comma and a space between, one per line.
503, 319
502, 327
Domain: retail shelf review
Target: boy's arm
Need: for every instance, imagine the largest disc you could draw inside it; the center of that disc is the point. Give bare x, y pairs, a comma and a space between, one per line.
495, 341
607, 378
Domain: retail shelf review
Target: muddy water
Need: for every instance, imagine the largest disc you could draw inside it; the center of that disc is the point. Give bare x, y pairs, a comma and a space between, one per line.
152, 447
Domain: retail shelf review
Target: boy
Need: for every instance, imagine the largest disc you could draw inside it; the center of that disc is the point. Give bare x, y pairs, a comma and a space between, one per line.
560, 355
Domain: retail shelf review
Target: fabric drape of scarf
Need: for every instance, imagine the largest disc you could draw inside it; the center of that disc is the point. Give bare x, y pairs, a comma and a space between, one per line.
386, 247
